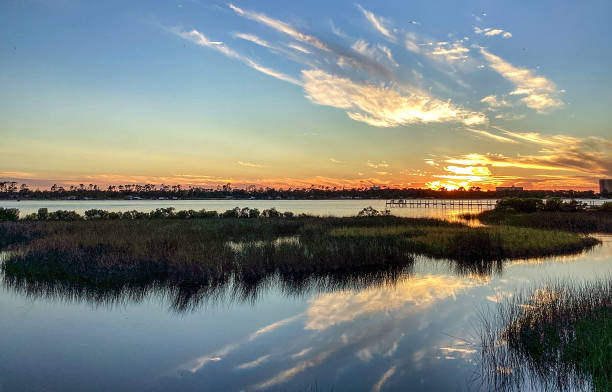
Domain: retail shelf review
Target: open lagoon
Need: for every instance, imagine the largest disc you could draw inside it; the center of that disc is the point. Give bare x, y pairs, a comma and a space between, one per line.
415, 330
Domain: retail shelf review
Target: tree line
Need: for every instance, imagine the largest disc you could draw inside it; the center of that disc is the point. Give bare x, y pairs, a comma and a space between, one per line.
13, 190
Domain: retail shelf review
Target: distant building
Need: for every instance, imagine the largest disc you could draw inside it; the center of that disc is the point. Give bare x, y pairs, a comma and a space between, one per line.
605, 186
509, 188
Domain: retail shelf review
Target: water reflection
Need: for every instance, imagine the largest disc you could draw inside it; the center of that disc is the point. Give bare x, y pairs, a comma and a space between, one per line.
377, 329
506, 369
418, 292
362, 290
353, 329
188, 297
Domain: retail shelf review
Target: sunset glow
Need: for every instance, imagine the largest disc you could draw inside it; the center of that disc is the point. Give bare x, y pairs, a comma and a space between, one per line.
346, 96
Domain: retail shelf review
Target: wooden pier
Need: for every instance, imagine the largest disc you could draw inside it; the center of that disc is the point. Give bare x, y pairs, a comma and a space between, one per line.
438, 203
461, 204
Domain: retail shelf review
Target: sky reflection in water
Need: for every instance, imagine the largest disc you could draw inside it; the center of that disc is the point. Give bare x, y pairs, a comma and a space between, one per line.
417, 327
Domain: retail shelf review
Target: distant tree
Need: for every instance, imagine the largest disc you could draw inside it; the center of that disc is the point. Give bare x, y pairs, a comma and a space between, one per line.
9, 214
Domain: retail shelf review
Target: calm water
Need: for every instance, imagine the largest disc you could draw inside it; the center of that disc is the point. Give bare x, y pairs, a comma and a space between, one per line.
315, 207
416, 332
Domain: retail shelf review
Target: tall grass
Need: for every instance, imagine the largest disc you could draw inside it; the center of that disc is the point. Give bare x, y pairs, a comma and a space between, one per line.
579, 222
476, 244
192, 250
557, 338
553, 214
107, 255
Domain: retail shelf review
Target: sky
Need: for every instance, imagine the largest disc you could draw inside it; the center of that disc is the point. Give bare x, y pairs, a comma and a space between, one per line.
293, 94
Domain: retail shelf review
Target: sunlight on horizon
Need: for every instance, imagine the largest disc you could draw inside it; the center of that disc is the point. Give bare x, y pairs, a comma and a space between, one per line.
347, 96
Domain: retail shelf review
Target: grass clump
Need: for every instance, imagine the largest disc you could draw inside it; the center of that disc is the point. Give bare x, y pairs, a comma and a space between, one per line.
559, 336
100, 251
476, 244
579, 222
552, 214
190, 250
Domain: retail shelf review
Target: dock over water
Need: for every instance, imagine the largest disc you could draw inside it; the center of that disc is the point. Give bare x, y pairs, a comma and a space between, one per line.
438, 203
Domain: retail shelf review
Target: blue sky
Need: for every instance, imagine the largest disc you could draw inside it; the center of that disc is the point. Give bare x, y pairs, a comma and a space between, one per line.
286, 93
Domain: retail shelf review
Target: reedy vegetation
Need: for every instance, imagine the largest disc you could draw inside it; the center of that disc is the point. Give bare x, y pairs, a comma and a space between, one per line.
554, 214
203, 247
558, 337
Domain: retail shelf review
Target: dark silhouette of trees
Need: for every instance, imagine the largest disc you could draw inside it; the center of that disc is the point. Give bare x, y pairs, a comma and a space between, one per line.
12, 190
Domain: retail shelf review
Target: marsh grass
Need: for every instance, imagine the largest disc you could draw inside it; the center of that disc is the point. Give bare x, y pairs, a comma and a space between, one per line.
557, 338
201, 249
197, 251
580, 222
200, 255
475, 244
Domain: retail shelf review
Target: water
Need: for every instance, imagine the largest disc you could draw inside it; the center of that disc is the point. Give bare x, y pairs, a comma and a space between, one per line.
315, 207
418, 332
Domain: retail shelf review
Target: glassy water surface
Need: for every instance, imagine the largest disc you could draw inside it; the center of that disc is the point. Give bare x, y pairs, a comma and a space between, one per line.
415, 329
315, 207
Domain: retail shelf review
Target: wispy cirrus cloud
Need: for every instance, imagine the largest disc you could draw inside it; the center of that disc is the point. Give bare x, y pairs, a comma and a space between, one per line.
377, 165
538, 138
341, 56
281, 27
383, 379
449, 51
299, 48
495, 103
254, 363
491, 32
301, 353
378, 52
379, 23
254, 39
16, 174
591, 156
200, 39
549, 160
510, 116
491, 135
362, 80
288, 374
560, 161
249, 164
538, 92
382, 106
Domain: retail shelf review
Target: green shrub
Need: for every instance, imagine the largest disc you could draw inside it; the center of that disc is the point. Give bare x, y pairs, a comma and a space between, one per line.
63, 215
43, 214
271, 213
519, 204
162, 213
233, 213
254, 213
9, 214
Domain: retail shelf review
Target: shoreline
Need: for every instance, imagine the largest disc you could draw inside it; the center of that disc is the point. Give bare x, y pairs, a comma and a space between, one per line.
205, 247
